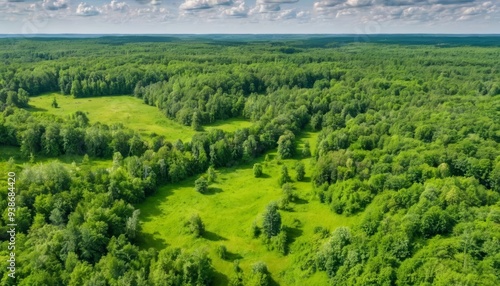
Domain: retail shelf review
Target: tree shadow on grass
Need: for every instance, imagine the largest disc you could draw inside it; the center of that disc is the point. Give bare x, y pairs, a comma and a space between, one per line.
212, 236
151, 209
230, 256
213, 191
151, 241
300, 201
265, 176
293, 233
36, 109
272, 282
220, 279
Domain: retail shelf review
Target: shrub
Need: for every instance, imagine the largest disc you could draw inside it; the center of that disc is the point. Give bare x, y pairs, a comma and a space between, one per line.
257, 170
201, 185
195, 225
222, 252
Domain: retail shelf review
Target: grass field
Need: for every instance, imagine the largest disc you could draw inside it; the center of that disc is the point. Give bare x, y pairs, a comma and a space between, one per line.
228, 210
130, 111
229, 125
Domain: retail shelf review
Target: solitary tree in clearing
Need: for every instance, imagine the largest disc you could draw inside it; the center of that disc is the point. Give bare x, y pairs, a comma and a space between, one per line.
284, 177
272, 220
257, 170
201, 185
54, 103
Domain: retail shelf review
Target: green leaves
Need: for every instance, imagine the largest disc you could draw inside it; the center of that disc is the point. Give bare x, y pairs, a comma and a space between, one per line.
271, 224
201, 185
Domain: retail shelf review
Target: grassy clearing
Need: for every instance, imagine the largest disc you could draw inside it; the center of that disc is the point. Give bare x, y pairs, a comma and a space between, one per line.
229, 125
228, 210
130, 111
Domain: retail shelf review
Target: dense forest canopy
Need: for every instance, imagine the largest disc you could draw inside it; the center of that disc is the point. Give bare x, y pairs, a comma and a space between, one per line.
409, 134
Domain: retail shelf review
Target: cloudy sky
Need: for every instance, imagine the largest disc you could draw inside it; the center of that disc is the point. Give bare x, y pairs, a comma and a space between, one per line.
249, 16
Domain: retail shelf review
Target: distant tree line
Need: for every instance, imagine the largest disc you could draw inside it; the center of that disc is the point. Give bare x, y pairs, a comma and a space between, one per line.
413, 147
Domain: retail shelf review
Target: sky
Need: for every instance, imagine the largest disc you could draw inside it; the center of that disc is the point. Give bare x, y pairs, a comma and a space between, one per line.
249, 16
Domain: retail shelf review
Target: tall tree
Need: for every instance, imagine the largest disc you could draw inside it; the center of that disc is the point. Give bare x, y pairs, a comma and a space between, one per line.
271, 224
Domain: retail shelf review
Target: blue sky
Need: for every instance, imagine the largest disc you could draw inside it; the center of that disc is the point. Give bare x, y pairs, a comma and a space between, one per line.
249, 16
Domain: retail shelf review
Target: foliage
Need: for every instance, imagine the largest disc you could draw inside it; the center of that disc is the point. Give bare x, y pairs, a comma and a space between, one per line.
406, 157
306, 151
211, 175
286, 145
288, 195
195, 225
259, 275
257, 170
255, 230
201, 185
271, 224
301, 171
284, 176
54, 103
222, 252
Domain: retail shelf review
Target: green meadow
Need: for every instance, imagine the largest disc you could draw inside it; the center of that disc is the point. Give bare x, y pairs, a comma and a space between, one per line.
232, 204
229, 125
130, 111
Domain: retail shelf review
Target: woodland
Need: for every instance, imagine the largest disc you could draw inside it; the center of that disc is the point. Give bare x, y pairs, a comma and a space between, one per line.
393, 140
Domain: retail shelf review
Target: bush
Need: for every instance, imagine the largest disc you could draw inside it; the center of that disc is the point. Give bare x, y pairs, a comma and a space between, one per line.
212, 176
195, 225
279, 242
287, 196
259, 275
301, 171
201, 185
306, 152
255, 230
222, 252
257, 170
272, 220
284, 176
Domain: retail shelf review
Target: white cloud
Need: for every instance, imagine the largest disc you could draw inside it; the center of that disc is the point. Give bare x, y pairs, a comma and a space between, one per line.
116, 6
203, 4
276, 1
483, 10
271, 6
359, 3
55, 5
87, 10
270, 10
239, 11
389, 15
409, 11
265, 8
328, 3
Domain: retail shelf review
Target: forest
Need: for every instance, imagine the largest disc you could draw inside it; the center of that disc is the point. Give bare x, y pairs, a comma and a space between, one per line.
367, 162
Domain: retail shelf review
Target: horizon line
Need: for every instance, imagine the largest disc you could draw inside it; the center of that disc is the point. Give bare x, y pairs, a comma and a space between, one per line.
252, 34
